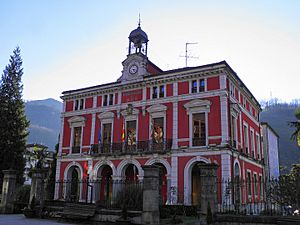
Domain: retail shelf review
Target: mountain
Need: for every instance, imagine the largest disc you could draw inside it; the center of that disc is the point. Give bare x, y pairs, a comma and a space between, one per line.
277, 116
44, 117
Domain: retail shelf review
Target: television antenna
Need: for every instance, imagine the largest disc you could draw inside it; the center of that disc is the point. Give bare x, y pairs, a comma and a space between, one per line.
186, 52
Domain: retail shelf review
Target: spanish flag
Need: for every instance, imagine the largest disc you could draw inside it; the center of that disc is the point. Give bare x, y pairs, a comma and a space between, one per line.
123, 132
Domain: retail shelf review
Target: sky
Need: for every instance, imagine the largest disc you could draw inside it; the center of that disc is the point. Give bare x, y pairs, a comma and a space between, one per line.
73, 44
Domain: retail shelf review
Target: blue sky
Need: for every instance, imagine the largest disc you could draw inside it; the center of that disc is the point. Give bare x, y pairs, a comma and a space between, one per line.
73, 44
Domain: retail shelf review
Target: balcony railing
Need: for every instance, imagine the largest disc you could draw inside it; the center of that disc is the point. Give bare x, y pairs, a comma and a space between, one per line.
139, 147
199, 141
75, 149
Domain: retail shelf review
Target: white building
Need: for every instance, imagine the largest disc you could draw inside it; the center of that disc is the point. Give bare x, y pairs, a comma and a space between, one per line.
270, 145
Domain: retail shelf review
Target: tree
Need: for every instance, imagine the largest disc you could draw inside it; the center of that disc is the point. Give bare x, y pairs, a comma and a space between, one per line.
13, 122
296, 125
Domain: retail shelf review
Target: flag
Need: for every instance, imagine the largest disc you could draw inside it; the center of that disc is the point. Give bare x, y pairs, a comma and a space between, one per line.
123, 132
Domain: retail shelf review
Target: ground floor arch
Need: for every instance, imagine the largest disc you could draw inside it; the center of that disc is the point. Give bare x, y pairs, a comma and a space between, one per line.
73, 186
192, 181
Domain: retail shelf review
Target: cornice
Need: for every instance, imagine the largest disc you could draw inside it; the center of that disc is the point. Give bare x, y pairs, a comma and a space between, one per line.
147, 81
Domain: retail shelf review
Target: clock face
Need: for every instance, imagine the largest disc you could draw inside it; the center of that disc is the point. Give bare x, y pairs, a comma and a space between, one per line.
133, 69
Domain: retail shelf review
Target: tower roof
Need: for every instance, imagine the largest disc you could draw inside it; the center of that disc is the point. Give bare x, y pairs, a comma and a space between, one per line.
138, 35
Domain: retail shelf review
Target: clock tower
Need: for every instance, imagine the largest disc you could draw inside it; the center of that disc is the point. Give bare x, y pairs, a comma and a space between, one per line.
135, 65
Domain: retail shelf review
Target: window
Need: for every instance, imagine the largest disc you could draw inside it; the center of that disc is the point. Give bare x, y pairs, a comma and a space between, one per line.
79, 104
244, 101
158, 130
131, 133
252, 143
201, 85
255, 184
76, 140
154, 92
161, 91
197, 86
261, 186
105, 100
246, 143
258, 146
111, 99
106, 138
106, 134
199, 129
234, 131
194, 86
249, 183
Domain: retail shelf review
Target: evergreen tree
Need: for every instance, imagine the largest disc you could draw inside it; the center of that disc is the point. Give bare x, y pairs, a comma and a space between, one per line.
296, 125
13, 122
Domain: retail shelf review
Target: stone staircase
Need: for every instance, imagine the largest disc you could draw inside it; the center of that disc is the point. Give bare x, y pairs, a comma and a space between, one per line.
78, 211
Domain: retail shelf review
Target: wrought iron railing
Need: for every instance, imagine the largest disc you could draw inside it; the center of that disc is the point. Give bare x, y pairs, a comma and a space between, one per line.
199, 141
147, 146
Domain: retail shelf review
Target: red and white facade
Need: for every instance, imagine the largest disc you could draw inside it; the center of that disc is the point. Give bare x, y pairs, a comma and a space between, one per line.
174, 119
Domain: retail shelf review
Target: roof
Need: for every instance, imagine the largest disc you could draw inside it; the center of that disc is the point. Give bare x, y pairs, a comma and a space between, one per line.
184, 69
271, 128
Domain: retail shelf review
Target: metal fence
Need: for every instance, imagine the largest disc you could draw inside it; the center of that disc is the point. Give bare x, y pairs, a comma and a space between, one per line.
104, 193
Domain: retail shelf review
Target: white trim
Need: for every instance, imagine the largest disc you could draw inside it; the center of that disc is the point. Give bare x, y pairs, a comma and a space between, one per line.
101, 163
122, 165
193, 107
175, 126
222, 80
188, 177
93, 128
162, 161
66, 177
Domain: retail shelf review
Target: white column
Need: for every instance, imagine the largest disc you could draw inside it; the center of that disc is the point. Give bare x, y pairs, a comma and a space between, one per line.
93, 128
175, 118
119, 97
57, 179
95, 102
222, 79
226, 176
174, 179
224, 119
144, 93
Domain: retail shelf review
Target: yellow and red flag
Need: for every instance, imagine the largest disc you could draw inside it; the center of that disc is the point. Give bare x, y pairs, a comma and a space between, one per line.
123, 132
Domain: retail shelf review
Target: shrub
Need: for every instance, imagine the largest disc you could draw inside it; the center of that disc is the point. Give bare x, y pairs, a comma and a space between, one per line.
130, 197
22, 198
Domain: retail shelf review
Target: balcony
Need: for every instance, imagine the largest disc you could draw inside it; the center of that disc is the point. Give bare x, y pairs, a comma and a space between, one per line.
140, 147
199, 142
75, 149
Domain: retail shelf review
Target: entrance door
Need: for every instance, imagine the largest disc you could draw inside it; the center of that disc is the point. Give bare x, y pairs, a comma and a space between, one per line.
74, 192
196, 186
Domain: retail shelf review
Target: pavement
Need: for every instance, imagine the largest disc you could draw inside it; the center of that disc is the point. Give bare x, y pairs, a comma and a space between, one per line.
20, 219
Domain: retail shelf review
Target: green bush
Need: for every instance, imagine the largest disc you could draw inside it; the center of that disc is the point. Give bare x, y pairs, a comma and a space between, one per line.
22, 197
130, 197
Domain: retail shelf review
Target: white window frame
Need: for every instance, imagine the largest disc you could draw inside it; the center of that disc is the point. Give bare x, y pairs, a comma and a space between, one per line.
108, 99
258, 151
198, 85
158, 91
76, 121
79, 104
194, 107
251, 186
133, 116
246, 145
255, 189
157, 111
252, 139
106, 118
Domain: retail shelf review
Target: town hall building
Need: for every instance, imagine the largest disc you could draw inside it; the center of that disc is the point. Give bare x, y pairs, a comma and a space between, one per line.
175, 119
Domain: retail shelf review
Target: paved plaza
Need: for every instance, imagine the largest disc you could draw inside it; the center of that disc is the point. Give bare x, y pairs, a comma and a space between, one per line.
20, 219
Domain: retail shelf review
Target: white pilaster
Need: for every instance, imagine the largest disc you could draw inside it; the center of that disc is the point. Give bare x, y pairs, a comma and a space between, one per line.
95, 102
226, 176
224, 119
174, 179
93, 128
57, 178
175, 118
222, 79
119, 97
